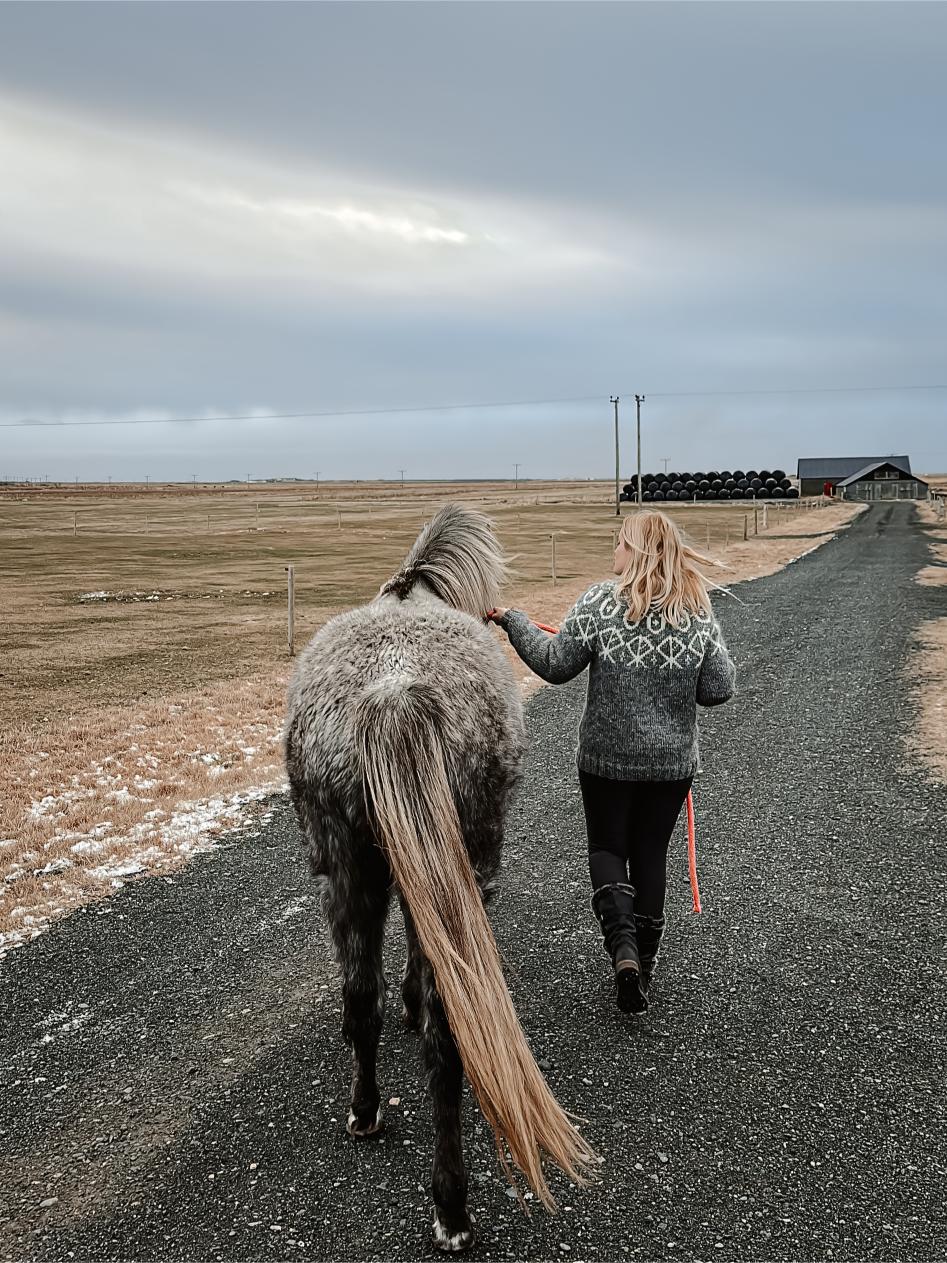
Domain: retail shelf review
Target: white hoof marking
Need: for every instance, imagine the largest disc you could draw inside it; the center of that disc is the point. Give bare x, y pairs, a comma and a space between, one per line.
457, 1242
361, 1133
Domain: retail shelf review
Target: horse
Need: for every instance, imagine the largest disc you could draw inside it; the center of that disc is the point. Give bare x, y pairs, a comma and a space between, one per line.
404, 739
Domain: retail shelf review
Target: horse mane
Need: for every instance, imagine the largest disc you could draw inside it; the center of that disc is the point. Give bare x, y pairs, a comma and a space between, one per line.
458, 556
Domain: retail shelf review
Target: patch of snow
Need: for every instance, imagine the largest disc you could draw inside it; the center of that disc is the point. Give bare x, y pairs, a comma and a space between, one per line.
54, 866
116, 869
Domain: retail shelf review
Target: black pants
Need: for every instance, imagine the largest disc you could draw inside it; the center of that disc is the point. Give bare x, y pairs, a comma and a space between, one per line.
629, 824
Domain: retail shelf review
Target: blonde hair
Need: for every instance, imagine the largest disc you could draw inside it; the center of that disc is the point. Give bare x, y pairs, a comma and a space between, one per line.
662, 576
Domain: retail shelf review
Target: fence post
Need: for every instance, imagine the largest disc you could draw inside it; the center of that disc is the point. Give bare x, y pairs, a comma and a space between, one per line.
756, 521
746, 526
291, 609
75, 523
708, 537
553, 560
258, 515
339, 511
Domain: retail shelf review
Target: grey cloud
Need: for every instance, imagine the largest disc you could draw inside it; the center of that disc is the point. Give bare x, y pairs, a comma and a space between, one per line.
696, 195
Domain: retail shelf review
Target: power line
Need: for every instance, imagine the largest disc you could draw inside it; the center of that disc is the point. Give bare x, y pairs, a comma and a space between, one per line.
790, 390
456, 407
289, 416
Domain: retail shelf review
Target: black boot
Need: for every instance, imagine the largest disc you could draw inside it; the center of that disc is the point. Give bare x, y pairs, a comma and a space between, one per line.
648, 931
614, 906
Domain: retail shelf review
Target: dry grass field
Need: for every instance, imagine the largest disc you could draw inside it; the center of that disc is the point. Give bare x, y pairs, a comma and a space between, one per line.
928, 670
144, 655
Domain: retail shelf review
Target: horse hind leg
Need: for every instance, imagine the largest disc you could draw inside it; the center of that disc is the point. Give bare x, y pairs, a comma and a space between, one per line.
453, 1224
357, 922
412, 981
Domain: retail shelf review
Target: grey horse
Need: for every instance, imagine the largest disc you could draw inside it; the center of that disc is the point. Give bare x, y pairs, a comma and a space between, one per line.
404, 740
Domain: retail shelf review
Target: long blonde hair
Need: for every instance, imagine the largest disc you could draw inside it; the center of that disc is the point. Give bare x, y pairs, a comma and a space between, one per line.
662, 576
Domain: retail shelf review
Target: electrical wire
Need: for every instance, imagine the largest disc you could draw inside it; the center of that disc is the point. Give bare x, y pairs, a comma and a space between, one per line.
27, 423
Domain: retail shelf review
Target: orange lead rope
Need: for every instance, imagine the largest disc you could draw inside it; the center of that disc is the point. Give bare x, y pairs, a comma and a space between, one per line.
691, 829
692, 851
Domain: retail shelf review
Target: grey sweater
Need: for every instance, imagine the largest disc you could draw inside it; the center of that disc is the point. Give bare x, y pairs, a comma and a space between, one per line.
645, 682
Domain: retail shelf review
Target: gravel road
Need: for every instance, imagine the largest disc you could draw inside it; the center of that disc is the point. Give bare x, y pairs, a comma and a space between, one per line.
173, 1084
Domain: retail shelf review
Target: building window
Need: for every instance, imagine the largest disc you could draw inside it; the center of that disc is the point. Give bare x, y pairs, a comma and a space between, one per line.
887, 473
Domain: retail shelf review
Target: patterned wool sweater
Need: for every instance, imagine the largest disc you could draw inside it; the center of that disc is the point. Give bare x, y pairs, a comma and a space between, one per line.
645, 682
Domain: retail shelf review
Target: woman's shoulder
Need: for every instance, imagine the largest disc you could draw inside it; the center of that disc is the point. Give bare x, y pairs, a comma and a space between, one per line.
604, 589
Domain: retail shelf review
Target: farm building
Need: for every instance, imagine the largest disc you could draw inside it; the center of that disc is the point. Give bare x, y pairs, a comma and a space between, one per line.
861, 477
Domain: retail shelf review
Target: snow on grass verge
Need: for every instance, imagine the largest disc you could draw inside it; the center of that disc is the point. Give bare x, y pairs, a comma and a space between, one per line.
128, 793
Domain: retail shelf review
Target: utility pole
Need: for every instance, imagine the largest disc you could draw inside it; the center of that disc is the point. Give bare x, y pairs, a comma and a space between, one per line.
401, 472
147, 482
194, 481
639, 400
665, 461
317, 481
613, 399
516, 477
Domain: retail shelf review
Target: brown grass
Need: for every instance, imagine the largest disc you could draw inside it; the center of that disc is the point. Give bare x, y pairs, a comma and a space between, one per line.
104, 695
927, 667
927, 677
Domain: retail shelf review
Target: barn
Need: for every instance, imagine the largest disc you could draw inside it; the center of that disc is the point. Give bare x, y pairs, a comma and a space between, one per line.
861, 477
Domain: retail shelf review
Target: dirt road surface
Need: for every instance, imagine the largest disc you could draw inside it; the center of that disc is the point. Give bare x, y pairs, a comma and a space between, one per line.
173, 1084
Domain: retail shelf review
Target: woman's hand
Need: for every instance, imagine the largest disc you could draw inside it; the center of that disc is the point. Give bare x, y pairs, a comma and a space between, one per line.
497, 614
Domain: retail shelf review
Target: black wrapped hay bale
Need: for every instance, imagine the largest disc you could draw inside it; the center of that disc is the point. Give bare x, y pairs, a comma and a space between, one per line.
792, 493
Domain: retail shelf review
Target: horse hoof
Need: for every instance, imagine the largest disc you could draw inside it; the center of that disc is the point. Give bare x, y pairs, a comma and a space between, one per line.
359, 1131
454, 1242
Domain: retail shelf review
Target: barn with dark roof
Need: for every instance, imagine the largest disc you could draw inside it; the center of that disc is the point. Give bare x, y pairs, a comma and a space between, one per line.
861, 477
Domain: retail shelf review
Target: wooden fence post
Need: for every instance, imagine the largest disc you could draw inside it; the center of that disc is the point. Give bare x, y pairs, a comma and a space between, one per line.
291, 609
75, 523
756, 521
339, 511
553, 560
746, 526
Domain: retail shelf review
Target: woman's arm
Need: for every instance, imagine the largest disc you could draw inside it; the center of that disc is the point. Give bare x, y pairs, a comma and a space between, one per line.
716, 681
553, 658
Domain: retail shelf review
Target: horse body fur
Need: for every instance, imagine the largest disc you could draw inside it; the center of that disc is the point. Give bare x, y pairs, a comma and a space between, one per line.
380, 650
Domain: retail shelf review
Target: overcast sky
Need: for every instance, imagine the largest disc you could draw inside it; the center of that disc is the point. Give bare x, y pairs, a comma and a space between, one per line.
213, 209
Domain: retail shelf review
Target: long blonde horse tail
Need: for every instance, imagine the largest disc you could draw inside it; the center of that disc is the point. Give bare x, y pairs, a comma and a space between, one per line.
415, 817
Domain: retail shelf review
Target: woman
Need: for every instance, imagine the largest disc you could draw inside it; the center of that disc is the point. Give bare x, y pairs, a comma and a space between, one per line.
655, 651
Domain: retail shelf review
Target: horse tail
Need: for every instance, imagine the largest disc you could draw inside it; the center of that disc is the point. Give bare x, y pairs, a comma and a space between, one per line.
410, 800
